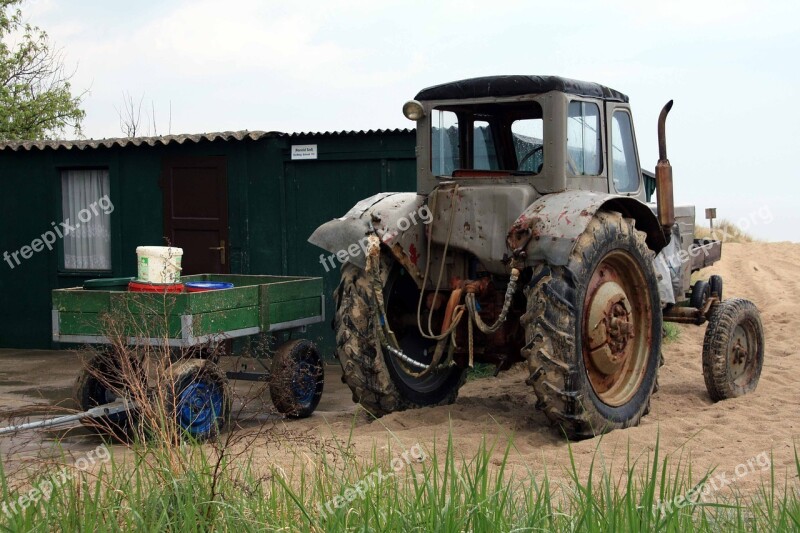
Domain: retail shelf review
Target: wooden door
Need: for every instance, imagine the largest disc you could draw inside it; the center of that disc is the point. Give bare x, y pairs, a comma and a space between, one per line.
196, 212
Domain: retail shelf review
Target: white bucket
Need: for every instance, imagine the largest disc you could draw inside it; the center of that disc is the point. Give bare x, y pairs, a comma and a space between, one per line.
159, 264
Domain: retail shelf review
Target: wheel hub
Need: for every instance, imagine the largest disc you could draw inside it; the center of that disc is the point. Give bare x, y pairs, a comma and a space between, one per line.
611, 327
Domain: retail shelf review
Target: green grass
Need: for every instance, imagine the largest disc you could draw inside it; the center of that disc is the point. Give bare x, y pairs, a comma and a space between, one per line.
671, 332
188, 489
480, 371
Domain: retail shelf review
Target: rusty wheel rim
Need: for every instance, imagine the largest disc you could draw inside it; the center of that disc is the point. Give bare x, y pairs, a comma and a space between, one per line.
742, 354
616, 327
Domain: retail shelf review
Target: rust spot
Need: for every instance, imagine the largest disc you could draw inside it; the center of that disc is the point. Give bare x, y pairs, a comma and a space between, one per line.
412, 254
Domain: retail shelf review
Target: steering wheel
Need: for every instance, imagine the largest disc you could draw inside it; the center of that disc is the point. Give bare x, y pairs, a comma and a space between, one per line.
528, 155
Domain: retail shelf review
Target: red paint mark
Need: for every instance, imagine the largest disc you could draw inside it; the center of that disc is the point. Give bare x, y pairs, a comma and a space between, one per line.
412, 253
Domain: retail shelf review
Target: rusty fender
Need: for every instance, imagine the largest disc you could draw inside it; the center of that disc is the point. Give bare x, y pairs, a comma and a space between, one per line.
549, 228
398, 219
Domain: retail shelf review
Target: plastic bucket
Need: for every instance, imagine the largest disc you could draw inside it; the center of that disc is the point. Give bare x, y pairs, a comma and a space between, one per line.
159, 264
203, 286
143, 286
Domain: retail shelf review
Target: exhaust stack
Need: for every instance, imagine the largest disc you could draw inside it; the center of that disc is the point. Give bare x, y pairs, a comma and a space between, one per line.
664, 197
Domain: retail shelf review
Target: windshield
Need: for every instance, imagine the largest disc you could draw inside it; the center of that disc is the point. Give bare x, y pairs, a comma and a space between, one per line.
497, 137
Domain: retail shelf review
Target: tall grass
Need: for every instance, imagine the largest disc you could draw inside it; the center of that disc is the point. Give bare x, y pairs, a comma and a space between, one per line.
440, 491
725, 231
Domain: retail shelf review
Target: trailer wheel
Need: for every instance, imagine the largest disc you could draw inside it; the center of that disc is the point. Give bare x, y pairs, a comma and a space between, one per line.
198, 398
701, 291
298, 376
715, 286
103, 379
593, 331
733, 349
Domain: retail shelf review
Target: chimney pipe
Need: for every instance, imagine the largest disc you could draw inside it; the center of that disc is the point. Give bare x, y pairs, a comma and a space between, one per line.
664, 197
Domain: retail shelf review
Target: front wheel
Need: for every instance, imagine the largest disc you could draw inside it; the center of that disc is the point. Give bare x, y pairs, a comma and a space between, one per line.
198, 398
593, 331
733, 349
380, 382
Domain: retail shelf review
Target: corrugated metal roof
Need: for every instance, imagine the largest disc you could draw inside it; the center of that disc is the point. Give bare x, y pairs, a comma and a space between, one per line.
84, 144
351, 132
137, 141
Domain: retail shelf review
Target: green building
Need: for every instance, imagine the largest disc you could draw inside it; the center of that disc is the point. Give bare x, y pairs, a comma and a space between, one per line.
238, 202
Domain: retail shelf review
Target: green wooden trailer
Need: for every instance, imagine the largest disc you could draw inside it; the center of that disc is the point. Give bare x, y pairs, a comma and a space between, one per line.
192, 325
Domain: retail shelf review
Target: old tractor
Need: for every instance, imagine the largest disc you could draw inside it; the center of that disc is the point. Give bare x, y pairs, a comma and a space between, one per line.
531, 239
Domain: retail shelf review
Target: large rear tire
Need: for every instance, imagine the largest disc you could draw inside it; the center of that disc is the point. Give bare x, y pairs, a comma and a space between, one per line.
593, 331
379, 381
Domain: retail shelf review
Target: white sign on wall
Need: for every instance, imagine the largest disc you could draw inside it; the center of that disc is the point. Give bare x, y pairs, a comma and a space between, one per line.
304, 151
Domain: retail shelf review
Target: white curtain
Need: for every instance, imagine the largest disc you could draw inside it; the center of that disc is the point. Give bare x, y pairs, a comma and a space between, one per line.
86, 207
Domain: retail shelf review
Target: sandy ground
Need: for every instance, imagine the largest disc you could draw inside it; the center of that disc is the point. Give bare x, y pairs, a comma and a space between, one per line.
734, 436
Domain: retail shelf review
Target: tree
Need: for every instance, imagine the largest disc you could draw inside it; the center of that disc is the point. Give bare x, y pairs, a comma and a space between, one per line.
36, 100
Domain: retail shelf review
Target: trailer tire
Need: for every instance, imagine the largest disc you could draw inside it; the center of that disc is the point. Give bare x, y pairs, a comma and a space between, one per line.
715, 285
197, 398
298, 376
103, 380
701, 291
588, 392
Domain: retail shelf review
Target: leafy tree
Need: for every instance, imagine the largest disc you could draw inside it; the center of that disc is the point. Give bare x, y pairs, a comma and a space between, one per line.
36, 100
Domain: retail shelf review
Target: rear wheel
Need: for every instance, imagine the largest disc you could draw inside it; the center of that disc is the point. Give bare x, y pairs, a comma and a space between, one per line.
379, 380
298, 376
593, 331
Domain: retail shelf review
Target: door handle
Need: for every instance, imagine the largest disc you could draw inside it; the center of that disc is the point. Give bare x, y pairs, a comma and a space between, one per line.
221, 249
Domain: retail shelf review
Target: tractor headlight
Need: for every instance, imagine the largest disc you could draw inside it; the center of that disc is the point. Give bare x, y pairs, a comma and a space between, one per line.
413, 110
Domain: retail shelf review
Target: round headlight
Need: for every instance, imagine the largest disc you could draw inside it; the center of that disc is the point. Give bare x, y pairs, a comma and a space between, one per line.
413, 110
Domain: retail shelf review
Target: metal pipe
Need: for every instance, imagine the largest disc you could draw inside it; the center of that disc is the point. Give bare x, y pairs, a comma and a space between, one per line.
95, 412
664, 194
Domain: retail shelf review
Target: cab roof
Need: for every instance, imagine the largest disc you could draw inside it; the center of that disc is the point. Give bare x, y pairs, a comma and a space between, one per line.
517, 85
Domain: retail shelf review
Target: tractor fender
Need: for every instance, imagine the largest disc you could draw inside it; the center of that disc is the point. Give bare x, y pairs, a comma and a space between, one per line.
549, 228
398, 219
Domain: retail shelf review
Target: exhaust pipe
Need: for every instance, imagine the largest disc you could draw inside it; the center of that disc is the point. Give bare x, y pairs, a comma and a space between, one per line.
664, 197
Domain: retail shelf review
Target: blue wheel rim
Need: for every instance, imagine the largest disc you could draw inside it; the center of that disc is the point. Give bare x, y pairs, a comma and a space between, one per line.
199, 407
304, 384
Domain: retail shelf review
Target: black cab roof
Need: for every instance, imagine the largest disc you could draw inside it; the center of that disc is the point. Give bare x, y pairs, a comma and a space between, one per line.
517, 85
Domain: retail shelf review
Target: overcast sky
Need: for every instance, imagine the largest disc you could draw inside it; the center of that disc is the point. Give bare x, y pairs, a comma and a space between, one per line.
730, 66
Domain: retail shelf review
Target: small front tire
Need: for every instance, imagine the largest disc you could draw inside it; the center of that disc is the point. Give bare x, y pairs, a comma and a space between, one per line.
733, 349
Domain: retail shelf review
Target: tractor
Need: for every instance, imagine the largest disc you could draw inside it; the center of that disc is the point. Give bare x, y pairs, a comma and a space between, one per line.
531, 239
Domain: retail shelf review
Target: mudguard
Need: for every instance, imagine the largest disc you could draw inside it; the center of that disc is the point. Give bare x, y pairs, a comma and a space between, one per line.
398, 219
549, 228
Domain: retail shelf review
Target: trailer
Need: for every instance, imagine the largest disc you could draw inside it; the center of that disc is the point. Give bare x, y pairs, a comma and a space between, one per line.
189, 328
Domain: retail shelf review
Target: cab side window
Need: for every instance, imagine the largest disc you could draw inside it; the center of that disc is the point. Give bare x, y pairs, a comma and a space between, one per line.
584, 144
625, 171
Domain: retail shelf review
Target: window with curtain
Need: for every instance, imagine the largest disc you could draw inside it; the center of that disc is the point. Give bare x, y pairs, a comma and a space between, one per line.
86, 208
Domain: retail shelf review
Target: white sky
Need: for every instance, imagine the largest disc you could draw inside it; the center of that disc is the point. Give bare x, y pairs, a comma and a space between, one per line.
731, 67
